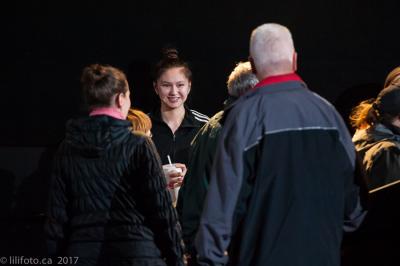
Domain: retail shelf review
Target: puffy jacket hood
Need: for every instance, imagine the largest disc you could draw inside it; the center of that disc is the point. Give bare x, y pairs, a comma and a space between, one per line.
93, 136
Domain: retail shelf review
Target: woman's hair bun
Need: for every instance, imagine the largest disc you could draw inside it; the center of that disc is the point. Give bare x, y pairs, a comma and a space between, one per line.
97, 69
170, 53
93, 74
170, 59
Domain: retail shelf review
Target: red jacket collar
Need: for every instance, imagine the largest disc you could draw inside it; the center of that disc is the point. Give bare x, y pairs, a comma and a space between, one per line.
277, 79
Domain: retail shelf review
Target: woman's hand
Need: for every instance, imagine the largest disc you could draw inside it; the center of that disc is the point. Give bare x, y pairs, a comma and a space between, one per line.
176, 178
182, 167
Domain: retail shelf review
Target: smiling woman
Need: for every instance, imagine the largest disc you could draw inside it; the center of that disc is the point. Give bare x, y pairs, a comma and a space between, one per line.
174, 124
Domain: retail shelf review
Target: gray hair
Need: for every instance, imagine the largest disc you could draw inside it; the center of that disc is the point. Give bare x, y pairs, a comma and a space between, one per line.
272, 49
241, 79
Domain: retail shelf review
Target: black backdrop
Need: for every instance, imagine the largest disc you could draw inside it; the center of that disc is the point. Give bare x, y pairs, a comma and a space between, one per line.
346, 48
341, 45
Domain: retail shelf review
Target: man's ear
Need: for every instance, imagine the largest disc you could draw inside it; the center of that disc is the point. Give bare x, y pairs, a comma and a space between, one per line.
294, 62
253, 67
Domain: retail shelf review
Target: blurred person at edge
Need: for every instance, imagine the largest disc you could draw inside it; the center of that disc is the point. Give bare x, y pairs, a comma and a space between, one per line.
377, 136
107, 202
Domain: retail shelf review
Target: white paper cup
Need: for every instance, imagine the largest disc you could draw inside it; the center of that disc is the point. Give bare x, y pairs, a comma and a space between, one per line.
168, 169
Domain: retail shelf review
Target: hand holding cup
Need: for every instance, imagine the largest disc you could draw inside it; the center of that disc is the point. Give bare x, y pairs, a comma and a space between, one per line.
174, 174
176, 177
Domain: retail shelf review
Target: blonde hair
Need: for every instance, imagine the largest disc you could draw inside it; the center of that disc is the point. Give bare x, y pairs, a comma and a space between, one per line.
140, 121
241, 79
363, 115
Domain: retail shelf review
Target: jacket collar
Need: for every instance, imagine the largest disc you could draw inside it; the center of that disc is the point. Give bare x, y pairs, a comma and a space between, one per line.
188, 119
110, 111
259, 88
381, 131
373, 134
276, 84
266, 83
278, 79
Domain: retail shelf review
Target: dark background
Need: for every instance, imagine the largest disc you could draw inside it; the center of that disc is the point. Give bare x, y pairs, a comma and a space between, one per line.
345, 50
341, 44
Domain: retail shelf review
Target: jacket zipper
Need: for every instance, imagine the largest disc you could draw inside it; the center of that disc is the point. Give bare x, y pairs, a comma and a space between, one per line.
173, 147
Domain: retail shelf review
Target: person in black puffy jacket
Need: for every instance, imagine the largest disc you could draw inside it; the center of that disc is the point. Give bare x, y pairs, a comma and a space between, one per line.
107, 202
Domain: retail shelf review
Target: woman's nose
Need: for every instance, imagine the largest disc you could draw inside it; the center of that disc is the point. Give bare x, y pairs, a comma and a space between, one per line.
174, 89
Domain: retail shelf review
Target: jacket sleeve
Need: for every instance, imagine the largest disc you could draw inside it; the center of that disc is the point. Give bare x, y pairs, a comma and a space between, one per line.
356, 198
384, 167
56, 213
215, 229
194, 189
156, 204
356, 193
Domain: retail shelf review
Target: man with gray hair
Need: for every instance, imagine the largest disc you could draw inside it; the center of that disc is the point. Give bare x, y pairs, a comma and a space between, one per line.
282, 186
194, 188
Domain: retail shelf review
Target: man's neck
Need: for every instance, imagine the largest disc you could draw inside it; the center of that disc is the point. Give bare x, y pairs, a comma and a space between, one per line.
273, 74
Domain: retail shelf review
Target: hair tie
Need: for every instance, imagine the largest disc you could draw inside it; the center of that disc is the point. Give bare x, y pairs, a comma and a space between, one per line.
376, 109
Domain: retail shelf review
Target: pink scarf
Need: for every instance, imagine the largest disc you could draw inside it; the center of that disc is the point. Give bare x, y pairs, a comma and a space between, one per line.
110, 111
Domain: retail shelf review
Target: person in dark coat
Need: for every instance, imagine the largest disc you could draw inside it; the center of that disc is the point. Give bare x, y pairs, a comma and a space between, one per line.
282, 186
195, 185
108, 203
377, 136
377, 142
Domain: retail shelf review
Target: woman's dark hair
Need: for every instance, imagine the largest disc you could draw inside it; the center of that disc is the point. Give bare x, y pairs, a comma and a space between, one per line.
100, 83
169, 60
